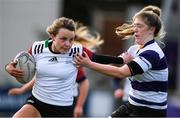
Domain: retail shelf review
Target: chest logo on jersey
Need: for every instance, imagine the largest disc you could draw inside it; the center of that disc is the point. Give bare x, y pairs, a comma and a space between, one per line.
54, 59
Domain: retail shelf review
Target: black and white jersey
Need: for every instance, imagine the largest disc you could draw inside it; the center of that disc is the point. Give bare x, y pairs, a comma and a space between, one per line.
149, 76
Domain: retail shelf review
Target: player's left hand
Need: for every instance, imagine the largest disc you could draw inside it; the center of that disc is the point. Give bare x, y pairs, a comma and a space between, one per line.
78, 112
127, 57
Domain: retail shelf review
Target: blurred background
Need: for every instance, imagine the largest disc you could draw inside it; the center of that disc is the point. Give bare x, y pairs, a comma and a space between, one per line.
24, 21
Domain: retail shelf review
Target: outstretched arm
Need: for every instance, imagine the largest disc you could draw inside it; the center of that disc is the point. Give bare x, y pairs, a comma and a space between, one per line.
119, 72
108, 59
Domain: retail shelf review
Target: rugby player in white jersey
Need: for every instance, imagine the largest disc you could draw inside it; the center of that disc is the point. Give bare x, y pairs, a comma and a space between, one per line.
91, 40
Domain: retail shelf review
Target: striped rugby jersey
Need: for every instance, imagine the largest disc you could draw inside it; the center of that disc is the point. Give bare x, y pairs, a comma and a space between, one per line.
149, 88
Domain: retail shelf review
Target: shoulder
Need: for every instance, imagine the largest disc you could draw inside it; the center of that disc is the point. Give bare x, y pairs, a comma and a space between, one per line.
133, 49
153, 50
45, 43
150, 54
39, 46
134, 46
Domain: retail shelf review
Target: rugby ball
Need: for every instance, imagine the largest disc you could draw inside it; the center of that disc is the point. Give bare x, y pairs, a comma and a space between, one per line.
26, 63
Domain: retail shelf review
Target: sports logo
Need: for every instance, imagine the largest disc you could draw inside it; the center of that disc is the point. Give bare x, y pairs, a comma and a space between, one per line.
54, 59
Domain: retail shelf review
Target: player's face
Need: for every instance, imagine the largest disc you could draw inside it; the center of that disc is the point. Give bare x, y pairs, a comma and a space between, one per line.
142, 32
63, 41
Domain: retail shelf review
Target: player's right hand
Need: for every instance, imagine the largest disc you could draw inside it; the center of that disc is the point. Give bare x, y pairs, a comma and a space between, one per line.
10, 68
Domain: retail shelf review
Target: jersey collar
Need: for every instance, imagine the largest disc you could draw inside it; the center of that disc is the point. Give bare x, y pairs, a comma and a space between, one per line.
148, 43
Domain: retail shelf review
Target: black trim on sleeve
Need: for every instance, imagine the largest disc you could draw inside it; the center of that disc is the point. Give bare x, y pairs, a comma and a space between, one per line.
135, 68
105, 59
81, 80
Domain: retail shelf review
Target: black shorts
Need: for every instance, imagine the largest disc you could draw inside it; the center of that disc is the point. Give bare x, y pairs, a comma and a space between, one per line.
47, 110
128, 110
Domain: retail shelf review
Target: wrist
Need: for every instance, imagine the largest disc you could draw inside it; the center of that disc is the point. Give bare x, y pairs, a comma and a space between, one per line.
89, 64
121, 60
79, 105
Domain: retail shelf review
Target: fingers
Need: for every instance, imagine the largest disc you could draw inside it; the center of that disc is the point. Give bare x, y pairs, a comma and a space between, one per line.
10, 68
127, 57
11, 92
14, 91
78, 112
13, 63
77, 59
118, 93
85, 54
16, 72
77, 115
82, 60
17, 76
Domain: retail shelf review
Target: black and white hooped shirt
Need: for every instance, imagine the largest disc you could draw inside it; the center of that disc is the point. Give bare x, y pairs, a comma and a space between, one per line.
149, 76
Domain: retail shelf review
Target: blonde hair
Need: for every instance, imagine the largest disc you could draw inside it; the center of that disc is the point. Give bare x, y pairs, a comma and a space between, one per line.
125, 31
152, 8
88, 38
61, 23
151, 16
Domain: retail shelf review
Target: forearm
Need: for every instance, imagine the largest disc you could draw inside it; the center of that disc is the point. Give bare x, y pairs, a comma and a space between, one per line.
29, 85
107, 59
119, 72
83, 92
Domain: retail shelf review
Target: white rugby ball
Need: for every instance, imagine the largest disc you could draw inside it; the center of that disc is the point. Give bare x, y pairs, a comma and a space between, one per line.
26, 63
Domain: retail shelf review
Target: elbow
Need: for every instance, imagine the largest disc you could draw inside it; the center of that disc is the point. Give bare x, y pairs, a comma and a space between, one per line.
120, 76
121, 73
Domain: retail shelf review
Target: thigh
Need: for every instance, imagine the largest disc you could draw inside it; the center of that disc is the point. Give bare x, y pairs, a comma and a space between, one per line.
56, 111
27, 110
